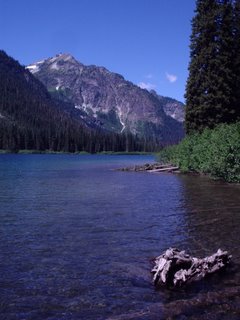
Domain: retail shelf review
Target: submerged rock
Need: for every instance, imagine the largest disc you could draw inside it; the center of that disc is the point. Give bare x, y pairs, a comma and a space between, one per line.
175, 267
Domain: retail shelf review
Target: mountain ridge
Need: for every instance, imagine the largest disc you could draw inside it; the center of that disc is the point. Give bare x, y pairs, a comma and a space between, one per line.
107, 99
30, 118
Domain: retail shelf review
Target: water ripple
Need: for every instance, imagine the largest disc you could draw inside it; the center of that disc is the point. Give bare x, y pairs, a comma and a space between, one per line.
77, 239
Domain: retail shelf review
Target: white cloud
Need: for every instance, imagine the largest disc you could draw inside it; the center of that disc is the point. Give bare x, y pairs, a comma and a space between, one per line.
149, 76
147, 85
171, 77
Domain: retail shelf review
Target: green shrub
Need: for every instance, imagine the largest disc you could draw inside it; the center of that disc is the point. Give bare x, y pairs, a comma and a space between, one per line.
215, 152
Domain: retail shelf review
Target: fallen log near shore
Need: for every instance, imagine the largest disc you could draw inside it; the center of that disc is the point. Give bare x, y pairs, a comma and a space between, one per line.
165, 169
154, 167
175, 267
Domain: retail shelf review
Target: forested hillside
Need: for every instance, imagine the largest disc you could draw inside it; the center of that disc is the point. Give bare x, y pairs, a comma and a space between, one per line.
31, 119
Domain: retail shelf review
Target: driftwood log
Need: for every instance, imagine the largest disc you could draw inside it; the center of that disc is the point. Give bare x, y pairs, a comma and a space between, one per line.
153, 167
175, 267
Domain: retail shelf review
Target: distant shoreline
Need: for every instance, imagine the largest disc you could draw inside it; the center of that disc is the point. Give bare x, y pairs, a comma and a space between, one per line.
136, 153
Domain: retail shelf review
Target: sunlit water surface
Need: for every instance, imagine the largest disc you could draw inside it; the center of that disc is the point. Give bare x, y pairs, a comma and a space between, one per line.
77, 239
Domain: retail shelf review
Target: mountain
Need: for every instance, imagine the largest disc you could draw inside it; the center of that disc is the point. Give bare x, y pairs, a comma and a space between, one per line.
107, 100
173, 108
30, 118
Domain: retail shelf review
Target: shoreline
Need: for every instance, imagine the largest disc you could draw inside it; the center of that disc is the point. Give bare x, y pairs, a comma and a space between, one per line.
78, 153
159, 167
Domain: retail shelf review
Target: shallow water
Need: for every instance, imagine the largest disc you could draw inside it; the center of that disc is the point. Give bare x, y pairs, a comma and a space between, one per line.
77, 239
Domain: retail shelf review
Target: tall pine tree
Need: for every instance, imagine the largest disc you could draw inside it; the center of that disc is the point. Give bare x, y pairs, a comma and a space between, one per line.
209, 90
223, 96
202, 65
236, 33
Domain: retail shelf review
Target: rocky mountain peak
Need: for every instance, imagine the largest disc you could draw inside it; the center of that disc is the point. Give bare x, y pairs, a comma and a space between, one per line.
173, 108
107, 99
58, 62
63, 59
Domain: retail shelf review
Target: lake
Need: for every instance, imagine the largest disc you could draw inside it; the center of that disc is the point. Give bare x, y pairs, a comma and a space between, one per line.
77, 239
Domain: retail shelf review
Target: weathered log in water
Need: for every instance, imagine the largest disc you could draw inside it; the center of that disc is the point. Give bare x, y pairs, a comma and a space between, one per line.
154, 167
175, 267
165, 169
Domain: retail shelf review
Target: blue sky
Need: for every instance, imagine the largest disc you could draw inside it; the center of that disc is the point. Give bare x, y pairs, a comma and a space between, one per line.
147, 41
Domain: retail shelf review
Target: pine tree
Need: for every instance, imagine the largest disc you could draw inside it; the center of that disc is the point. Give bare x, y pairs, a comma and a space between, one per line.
237, 57
209, 90
224, 75
202, 65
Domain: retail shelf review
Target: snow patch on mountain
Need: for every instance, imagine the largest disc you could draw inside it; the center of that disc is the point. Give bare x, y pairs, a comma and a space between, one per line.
35, 67
54, 66
121, 116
